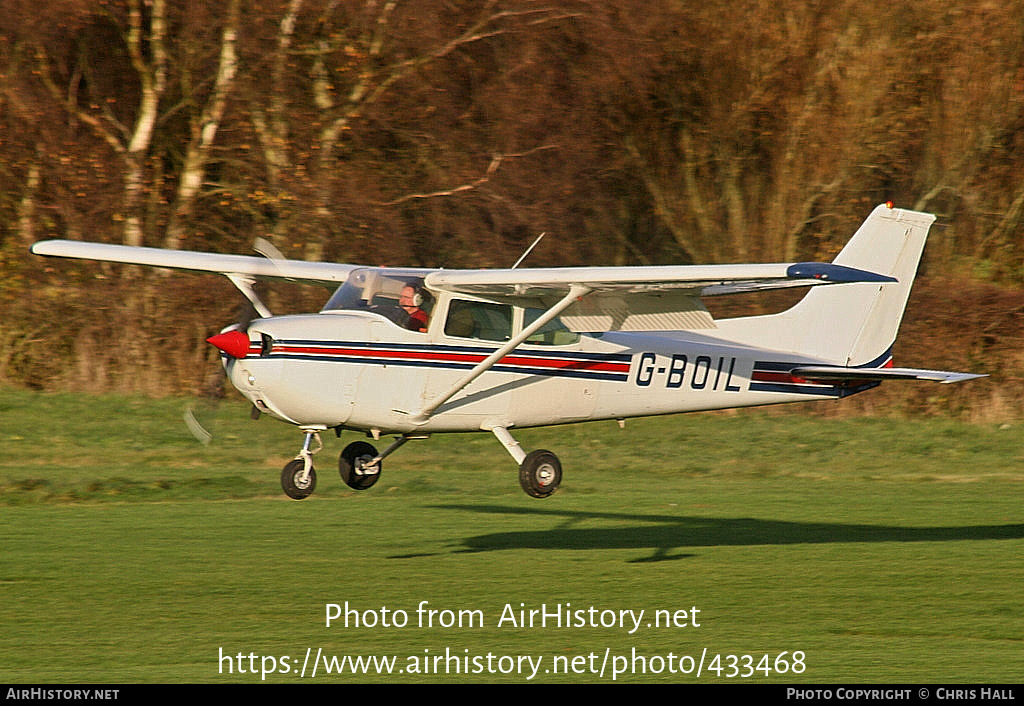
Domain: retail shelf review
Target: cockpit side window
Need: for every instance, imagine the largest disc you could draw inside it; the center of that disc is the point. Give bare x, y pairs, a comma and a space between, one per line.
399, 296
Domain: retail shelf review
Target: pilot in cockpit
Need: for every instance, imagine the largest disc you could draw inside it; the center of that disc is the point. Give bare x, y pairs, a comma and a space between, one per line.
398, 296
412, 301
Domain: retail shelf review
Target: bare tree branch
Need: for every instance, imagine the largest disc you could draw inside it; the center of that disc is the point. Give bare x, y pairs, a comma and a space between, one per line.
492, 169
205, 131
363, 95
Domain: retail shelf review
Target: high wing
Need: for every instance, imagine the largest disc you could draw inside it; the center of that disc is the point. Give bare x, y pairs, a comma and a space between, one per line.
242, 270
327, 274
641, 298
609, 298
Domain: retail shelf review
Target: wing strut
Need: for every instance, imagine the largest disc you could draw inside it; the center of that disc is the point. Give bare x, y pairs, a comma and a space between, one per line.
575, 292
244, 284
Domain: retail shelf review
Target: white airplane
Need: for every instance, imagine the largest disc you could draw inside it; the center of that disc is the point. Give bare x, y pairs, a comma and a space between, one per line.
410, 352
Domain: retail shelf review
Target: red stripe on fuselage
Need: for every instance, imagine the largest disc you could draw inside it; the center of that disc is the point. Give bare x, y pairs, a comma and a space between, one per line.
771, 376
437, 356
787, 378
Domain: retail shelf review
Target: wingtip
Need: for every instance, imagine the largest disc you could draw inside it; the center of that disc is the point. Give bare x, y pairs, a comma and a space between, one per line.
829, 272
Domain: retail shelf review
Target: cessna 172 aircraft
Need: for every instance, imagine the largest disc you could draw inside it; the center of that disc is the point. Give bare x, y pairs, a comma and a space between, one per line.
410, 352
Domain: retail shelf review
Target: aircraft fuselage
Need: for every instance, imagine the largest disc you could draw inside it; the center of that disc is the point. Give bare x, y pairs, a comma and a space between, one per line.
357, 370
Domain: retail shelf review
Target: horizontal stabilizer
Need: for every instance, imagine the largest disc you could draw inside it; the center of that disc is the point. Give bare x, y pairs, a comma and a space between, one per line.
836, 372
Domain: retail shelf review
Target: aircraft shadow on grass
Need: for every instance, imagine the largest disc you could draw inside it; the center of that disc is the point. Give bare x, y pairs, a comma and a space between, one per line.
663, 533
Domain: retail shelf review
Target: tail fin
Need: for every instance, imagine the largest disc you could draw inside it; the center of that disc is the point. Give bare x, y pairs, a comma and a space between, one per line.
854, 324
889, 242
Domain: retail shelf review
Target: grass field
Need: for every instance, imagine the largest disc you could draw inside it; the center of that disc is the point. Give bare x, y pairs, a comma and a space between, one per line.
880, 550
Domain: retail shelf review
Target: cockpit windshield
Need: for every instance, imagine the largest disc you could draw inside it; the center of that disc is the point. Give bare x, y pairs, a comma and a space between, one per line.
398, 295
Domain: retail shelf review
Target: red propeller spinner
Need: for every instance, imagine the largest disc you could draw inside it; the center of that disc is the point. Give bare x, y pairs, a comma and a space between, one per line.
235, 343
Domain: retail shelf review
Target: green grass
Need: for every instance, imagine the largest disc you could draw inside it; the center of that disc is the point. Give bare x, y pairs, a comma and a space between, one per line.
885, 551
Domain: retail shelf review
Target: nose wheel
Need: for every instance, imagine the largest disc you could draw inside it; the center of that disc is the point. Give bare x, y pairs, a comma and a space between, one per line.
298, 479
298, 483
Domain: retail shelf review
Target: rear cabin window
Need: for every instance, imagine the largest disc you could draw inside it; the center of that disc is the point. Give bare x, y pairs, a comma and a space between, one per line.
495, 322
553, 333
488, 322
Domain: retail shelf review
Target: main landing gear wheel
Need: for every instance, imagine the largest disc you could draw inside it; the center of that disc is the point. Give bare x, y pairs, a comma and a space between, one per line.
352, 465
540, 473
292, 483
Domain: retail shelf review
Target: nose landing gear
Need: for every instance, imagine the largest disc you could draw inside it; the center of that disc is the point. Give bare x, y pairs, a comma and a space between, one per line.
297, 482
298, 479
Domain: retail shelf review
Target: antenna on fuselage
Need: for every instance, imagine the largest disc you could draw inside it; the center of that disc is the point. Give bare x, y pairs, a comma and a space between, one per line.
529, 250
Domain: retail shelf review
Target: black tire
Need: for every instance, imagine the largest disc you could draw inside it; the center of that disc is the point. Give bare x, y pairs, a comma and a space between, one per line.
540, 473
289, 480
353, 453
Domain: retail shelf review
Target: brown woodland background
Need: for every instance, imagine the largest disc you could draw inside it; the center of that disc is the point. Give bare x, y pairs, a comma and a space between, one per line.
432, 133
